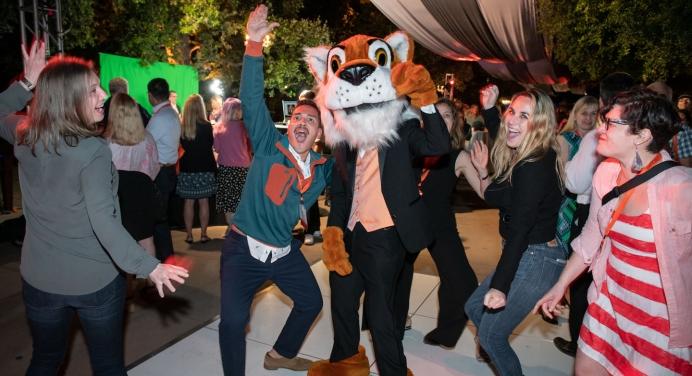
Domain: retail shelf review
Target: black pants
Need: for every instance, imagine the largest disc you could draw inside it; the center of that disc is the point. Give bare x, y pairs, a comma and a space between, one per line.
313, 219
457, 283
165, 181
580, 287
377, 258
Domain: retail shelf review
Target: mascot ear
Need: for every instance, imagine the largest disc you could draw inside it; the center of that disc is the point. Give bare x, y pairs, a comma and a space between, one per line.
402, 45
316, 57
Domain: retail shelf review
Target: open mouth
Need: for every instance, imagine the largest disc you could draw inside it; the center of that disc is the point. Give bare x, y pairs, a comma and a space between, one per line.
300, 134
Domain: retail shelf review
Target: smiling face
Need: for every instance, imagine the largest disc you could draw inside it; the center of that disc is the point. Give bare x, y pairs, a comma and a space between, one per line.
517, 119
586, 118
303, 129
95, 99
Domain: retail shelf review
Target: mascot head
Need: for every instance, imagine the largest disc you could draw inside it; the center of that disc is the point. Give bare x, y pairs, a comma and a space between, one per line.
361, 96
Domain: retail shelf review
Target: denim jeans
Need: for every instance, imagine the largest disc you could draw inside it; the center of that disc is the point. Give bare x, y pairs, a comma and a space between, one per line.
241, 276
538, 270
101, 316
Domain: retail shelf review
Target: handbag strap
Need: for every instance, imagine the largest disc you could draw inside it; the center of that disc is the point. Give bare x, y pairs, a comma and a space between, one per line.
648, 172
637, 180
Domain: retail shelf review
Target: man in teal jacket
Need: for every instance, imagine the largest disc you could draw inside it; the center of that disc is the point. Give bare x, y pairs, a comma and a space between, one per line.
285, 178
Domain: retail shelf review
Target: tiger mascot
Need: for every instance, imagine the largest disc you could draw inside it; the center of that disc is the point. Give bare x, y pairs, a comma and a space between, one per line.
372, 99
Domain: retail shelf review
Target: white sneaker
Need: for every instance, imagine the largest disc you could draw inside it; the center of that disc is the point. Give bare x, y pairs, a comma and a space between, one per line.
309, 239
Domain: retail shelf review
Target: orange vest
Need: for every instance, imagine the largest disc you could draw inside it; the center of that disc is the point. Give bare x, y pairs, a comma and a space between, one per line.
369, 207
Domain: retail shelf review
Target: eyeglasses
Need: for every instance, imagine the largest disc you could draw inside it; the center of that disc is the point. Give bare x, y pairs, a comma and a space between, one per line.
610, 122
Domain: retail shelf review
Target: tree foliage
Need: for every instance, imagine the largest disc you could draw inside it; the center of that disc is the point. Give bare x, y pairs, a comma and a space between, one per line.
208, 34
647, 38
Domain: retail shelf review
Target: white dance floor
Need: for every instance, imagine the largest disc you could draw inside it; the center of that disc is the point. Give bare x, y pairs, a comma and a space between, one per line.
198, 353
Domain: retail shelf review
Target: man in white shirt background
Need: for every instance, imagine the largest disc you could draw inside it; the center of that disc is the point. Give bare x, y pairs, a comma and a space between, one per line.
164, 126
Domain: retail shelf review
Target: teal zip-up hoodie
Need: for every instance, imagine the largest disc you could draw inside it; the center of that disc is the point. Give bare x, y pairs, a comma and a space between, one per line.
270, 202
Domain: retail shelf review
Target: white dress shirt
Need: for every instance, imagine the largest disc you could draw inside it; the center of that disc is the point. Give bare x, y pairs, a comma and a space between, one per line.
164, 126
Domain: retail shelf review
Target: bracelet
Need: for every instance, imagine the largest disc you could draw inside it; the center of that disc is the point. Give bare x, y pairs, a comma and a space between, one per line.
28, 85
486, 176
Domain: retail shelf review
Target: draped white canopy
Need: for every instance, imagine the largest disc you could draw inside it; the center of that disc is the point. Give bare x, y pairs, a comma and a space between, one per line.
501, 35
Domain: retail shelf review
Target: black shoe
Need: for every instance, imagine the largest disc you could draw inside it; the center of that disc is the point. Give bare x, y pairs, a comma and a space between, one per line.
567, 347
548, 319
428, 340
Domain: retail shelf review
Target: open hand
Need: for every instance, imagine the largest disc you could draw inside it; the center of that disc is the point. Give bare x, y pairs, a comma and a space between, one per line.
34, 60
549, 303
479, 157
257, 25
163, 274
494, 299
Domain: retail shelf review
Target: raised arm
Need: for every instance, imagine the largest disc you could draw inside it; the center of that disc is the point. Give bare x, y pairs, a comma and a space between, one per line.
463, 165
258, 121
432, 139
580, 170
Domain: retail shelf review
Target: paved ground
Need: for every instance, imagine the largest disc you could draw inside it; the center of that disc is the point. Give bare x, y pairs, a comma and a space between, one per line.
152, 323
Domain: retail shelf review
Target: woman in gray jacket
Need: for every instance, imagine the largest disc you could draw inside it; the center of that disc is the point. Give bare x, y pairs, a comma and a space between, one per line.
75, 249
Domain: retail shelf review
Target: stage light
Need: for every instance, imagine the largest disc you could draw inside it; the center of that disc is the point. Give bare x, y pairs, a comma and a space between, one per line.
216, 87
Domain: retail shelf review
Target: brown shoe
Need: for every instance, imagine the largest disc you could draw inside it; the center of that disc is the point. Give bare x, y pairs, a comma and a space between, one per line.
294, 364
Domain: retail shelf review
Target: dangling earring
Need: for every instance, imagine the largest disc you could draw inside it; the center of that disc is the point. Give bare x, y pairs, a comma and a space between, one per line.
637, 165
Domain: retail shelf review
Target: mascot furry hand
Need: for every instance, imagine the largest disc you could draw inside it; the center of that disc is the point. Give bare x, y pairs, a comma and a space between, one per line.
363, 84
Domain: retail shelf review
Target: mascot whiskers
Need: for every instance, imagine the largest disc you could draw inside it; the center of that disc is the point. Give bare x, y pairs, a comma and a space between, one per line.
370, 94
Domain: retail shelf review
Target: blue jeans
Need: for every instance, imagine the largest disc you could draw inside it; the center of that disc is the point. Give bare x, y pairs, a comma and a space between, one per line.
241, 276
101, 316
538, 270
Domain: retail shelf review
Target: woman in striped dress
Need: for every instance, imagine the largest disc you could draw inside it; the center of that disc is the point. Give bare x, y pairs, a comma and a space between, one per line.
638, 249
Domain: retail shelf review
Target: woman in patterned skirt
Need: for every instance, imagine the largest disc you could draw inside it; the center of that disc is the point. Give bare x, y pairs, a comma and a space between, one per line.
637, 246
197, 179
234, 156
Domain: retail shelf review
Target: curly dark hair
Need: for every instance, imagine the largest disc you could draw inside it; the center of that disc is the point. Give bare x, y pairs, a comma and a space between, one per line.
645, 109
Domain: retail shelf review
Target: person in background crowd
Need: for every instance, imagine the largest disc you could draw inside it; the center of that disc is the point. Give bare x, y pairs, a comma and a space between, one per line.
579, 172
661, 88
120, 85
526, 186
173, 100
457, 280
137, 161
197, 179
312, 232
639, 310
75, 247
216, 106
681, 144
234, 155
685, 102
164, 126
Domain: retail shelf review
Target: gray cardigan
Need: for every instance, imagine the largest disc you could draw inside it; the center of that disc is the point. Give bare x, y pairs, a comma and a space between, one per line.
75, 243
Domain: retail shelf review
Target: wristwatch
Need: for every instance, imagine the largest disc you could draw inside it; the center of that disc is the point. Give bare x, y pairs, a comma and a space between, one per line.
28, 85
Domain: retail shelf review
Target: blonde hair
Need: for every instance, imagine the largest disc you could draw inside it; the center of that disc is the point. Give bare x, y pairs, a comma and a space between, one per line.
584, 101
125, 125
58, 110
538, 140
193, 113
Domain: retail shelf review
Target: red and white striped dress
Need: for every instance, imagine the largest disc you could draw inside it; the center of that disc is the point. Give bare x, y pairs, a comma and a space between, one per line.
627, 329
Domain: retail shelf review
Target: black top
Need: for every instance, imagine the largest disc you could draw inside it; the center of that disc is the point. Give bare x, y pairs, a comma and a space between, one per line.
528, 213
492, 121
198, 156
438, 188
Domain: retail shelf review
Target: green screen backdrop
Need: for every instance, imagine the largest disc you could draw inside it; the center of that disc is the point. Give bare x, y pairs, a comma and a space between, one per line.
183, 79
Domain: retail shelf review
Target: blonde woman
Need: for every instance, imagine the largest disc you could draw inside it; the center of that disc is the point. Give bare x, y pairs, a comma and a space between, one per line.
136, 159
197, 181
527, 188
75, 249
581, 120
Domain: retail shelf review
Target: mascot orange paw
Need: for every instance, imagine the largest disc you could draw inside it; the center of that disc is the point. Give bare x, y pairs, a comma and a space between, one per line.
334, 253
414, 81
357, 365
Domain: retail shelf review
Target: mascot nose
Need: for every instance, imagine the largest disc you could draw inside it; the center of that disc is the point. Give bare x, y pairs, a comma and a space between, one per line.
356, 74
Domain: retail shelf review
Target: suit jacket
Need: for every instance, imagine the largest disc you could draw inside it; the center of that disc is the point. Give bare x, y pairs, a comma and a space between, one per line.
399, 180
